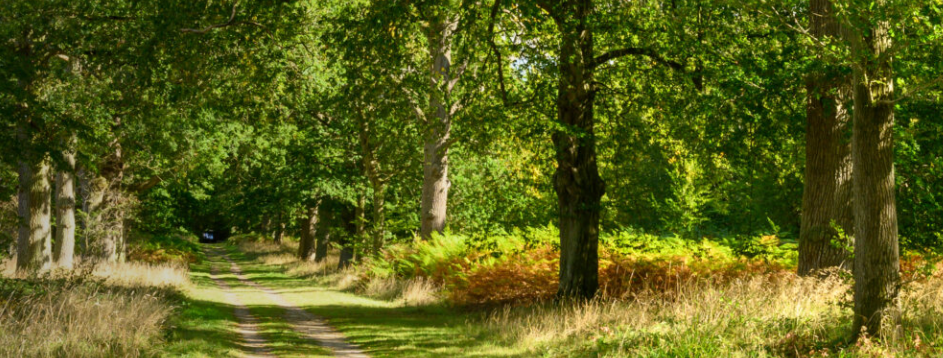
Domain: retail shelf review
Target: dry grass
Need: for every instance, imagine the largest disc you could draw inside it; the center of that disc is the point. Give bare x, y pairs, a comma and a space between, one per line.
420, 292
126, 274
135, 274
115, 310
760, 316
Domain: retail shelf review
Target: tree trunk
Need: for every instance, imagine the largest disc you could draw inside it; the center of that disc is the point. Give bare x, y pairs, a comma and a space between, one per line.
360, 228
350, 225
65, 212
39, 248
279, 230
827, 192
435, 185
308, 227
323, 234
379, 218
107, 208
577, 182
377, 182
267, 225
22, 242
877, 260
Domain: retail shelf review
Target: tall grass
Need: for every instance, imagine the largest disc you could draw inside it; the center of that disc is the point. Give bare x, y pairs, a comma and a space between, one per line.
115, 310
761, 316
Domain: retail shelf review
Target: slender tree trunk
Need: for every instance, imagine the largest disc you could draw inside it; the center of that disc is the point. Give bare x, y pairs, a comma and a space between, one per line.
65, 212
84, 192
308, 227
877, 260
435, 186
577, 182
827, 193
360, 231
379, 218
22, 242
378, 184
39, 248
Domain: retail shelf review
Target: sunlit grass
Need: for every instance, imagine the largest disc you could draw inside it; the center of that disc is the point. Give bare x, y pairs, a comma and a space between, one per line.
115, 310
382, 328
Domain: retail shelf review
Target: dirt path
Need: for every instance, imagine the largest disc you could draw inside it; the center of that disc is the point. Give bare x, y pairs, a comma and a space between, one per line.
302, 321
252, 340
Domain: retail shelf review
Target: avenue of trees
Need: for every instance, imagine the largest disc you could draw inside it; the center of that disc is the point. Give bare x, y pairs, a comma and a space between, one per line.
361, 123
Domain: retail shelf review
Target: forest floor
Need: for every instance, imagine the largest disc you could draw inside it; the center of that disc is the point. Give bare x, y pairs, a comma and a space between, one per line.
241, 307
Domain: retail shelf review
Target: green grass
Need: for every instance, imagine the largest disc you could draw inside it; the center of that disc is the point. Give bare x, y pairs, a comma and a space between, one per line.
381, 328
205, 325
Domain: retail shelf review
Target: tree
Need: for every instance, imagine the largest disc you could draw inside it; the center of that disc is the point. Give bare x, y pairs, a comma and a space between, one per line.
306, 243
39, 250
65, 211
577, 182
877, 258
827, 217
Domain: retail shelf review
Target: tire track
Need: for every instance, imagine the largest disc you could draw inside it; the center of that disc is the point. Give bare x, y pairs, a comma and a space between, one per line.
302, 321
253, 342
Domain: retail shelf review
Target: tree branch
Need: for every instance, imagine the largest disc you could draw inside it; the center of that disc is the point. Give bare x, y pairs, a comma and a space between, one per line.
614, 54
230, 22
497, 52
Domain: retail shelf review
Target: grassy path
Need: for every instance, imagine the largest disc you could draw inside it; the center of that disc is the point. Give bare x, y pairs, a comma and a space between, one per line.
247, 323
288, 310
312, 327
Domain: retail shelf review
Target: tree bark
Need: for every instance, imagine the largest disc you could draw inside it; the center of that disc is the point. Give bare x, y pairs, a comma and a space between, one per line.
65, 212
22, 242
435, 185
577, 182
877, 259
827, 192
308, 227
39, 248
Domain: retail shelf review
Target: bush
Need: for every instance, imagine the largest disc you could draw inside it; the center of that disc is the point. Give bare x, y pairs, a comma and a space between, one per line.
177, 247
522, 266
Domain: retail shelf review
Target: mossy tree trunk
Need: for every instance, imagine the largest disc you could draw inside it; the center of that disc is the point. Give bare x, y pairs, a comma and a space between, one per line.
877, 258
38, 253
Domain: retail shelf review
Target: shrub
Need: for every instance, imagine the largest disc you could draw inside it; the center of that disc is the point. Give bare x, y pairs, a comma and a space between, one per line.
175, 247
